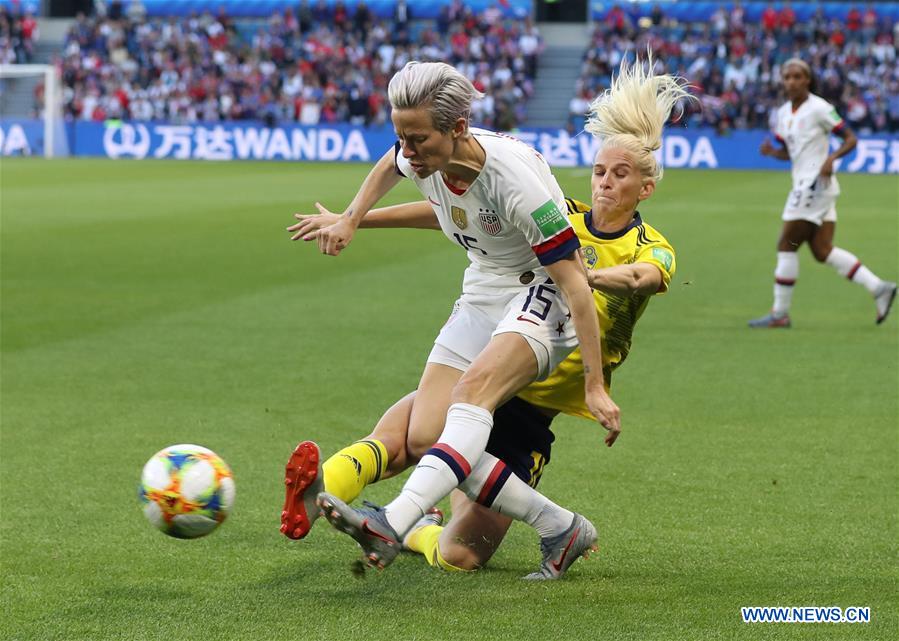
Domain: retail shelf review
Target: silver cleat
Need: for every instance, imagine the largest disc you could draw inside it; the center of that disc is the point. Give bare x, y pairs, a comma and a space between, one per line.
434, 516
368, 526
884, 301
560, 551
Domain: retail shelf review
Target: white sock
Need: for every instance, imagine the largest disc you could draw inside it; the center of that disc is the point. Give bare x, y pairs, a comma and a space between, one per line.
785, 274
492, 484
847, 264
444, 466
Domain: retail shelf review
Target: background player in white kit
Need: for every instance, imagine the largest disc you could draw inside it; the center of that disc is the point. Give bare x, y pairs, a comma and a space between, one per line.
803, 126
525, 305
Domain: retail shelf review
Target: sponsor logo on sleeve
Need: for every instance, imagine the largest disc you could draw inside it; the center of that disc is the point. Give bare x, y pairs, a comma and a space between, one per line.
663, 256
549, 219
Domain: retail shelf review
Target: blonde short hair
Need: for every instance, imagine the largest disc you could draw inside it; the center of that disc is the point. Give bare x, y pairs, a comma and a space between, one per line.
632, 113
436, 85
797, 62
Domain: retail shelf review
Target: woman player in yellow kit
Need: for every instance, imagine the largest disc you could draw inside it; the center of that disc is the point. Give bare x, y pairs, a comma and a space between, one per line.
628, 262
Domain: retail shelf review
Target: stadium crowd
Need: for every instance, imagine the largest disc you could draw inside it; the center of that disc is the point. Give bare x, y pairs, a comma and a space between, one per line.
321, 63
18, 35
734, 65
316, 64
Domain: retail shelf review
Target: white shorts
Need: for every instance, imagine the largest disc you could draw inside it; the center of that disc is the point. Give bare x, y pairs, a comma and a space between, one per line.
814, 205
492, 305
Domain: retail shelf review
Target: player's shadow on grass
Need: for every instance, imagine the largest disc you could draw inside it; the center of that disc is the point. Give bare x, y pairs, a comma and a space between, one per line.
347, 575
293, 576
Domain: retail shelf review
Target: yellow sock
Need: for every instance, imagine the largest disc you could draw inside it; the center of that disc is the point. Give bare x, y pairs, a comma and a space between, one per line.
352, 468
426, 541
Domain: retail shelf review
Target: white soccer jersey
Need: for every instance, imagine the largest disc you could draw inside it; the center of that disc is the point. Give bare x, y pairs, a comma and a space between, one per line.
511, 219
806, 134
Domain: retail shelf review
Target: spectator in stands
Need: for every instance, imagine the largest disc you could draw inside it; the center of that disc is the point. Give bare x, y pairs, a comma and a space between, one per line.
735, 74
737, 16
362, 19
318, 62
734, 66
114, 10
854, 20
579, 105
492, 15
869, 23
617, 20
18, 34
322, 13
531, 47
207, 67
856, 110
341, 16
720, 19
29, 34
305, 18
444, 20
136, 11
7, 54
893, 105
769, 18
402, 16
786, 17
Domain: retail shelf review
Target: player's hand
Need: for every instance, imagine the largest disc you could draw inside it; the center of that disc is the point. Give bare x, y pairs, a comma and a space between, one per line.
766, 148
827, 169
333, 239
310, 224
606, 412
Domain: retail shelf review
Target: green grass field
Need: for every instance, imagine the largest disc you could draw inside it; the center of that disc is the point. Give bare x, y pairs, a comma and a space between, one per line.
152, 303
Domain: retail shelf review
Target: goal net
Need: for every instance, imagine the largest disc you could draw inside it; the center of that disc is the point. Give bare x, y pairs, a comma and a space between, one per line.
26, 92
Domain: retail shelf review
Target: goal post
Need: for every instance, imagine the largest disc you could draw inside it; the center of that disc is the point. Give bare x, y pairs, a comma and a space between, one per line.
55, 143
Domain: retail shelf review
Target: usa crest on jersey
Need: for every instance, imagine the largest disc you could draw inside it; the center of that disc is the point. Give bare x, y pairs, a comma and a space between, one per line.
490, 223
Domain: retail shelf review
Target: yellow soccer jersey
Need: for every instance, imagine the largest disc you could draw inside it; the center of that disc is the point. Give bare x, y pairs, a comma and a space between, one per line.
563, 389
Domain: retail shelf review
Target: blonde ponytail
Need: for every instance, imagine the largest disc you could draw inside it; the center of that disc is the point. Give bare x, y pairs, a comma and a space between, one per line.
632, 113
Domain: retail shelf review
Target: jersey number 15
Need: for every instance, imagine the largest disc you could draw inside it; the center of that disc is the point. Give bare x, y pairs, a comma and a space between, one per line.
469, 243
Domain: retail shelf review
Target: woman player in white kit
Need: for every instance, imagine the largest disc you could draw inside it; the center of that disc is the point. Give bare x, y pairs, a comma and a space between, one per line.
525, 306
804, 125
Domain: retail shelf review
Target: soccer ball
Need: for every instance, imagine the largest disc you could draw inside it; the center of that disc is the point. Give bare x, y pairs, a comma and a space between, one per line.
186, 491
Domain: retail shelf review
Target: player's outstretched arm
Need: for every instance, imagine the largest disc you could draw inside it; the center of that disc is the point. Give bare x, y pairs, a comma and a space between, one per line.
568, 274
417, 215
626, 280
380, 180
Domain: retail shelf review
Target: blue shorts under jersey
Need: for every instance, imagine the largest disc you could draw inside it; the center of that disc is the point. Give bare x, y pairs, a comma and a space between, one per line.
522, 439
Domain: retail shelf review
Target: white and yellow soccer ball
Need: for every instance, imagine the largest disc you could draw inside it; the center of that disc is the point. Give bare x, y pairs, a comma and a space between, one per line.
186, 491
